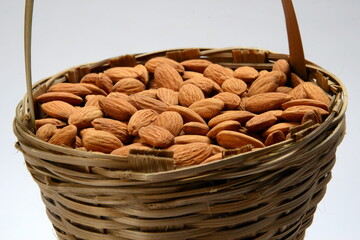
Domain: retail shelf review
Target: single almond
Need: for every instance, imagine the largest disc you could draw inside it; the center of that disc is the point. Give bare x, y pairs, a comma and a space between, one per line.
283, 66
296, 113
284, 89
60, 96
90, 78
65, 136
205, 84
153, 63
197, 65
152, 93
207, 108
101, 141
189, 94
117, 128
236, 115
226, 125
298, 92
128, 86
93, 100
231, 100
58, 109
82, 118
156, 136
184, 139
234, 85
190, 74
144, 102
118, 73
46, 131
283, 126
246, 73
217, 149
218, 73
197, 128
313, 91
141, 119
93, 88
275, 137
263, 102
312, 115
170, 120
75, 88
167, 76
305, 101
232, 140
260, 122
54, 121
122, 96
104, 82
168, 96
213, 158
125, 150
187, 114
117, 108
279, 75
295, 80
263, 85
144, 76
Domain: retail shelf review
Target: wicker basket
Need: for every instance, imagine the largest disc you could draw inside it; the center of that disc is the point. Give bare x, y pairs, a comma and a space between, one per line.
270, 193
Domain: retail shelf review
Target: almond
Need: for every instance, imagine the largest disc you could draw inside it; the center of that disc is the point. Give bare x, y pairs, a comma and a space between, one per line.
315, 92
205, 84
232, 140
284, 127
246, 73
263, 102
58, 109
54, 121
187, 114
197, 65
118, 73
122, 96
298, 92
144, 76
90, 78
218, 73
93, 88
153, 63
207, 108
234, 85
156, 136
166, 76
100, 141
189, 93
277, 113
190, 154
263, 85
152, 93
168, 96
117, 108
117, 128
170, 120
212, 158
46, 131
295, 80
141, 119
217, 149
60, 96
283, 66
312, 115
305, 101
82, 118
231, 100
260, 122
226, 125
296, 113
144, 102
197, 128
65, 136
128, 86
274, 137
184, 139
93, 100
74, 88
279, 75
284, 89
239, 116
125, 150
104, 82
190, 74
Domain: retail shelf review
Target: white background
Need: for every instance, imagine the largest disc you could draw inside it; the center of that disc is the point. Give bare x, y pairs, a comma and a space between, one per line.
71, 32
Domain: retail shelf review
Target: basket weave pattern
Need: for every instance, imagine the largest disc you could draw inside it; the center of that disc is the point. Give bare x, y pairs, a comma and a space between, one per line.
270, 193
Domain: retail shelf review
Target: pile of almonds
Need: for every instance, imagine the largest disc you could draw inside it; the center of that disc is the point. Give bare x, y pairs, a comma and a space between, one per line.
195, 108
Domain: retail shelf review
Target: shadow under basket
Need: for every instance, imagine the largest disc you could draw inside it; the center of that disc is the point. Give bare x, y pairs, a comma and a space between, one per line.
271, 193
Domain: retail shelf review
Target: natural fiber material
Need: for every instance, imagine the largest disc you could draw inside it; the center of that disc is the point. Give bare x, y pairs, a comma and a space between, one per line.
271, 193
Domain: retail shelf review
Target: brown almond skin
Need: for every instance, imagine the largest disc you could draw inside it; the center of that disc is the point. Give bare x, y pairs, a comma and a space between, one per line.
144, 102
283, 126
118, 73
296, 113
232, 140
263, 102
189, 93
45, 132
187, 114
90, 78
117, 108
315, 92
312, 115
156, 136
207, 108
231, 100
205, 84
83, 117
190, 154
170, 120
234, 85
75, 88
263, 85
226, 125
141, 119
246, 73
283, 66
218, 73
60, 96
53, 121
284, 89
295, 80
190, 74
168, 77
153, 63
184, 139
197, 128
279, 75
58, 109
94, 89
197, 65
275, 137
100, 141
124, 151
93, 100
260, 122
104, 82
128, 86
65, 136
237, 115
305, 101
118, 128
212, 158
168, 96
144, 76
298, 92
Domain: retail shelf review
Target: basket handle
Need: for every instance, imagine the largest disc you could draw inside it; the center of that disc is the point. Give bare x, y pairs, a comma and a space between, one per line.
296, 53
